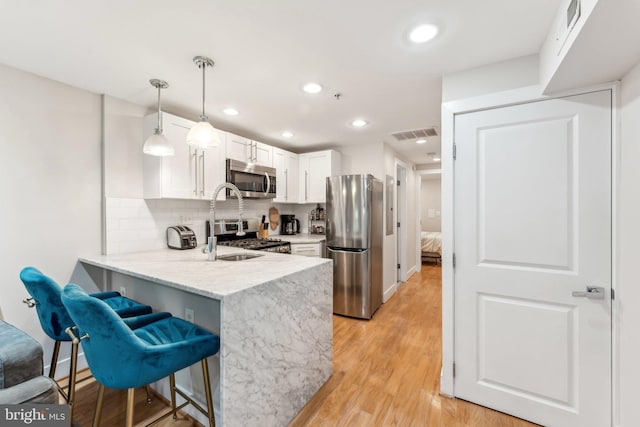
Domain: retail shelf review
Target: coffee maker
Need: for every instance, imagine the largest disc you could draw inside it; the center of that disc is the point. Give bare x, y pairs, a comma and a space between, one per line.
289, 224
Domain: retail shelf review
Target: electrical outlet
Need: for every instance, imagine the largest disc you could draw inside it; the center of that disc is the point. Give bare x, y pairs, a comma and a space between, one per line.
189, 315
123, 291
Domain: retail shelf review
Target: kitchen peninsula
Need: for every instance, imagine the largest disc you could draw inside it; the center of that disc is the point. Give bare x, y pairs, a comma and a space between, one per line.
273, 314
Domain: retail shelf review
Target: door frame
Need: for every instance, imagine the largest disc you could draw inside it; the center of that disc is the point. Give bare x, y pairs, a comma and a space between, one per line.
502, 99
400, 216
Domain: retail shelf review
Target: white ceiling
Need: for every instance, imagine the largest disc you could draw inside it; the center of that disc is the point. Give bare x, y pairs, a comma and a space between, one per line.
265, 50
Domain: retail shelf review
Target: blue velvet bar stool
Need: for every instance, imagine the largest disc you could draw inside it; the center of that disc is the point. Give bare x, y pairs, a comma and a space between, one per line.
122, 358
46, 298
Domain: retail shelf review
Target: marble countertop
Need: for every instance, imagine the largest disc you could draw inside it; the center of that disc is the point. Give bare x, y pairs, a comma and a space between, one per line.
303, 238
191, 271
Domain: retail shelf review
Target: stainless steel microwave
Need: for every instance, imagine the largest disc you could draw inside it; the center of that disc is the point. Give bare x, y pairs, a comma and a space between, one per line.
253, 181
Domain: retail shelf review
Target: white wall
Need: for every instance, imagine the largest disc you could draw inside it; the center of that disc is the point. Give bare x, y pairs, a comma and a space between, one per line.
389, 251
123, 148
514, 73
363, 159
50, 181
413, 213
628, 291
430, 205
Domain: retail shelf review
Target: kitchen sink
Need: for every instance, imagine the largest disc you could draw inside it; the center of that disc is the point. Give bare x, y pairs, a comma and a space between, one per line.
238, 257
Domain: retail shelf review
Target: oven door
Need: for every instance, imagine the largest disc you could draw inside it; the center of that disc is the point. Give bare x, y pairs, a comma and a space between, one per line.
253, 181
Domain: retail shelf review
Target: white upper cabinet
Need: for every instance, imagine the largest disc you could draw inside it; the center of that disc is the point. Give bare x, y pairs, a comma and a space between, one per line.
191, 173
314, 168
286, 164
248, 151
262, 154
238, 147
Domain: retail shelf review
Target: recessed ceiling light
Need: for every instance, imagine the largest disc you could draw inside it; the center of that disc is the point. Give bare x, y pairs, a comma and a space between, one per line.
436, 159
421, 141
287, 134
358, 123
423, 33
312, 88
230, 111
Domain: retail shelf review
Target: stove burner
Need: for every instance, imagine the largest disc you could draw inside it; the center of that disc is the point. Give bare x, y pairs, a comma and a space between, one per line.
273, 245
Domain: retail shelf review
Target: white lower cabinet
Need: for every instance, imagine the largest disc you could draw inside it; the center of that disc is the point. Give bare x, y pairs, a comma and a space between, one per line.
307, 249
189, 174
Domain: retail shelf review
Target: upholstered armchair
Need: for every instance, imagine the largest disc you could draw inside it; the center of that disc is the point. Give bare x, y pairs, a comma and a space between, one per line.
21, 379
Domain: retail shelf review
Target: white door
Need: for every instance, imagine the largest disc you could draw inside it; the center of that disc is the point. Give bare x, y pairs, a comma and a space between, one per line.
532, 226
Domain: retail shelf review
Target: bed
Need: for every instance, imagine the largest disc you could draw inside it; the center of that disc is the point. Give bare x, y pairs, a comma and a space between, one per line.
431, 246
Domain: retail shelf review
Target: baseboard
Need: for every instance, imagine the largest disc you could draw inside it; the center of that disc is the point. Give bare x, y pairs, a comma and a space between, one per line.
389, 292
412, 271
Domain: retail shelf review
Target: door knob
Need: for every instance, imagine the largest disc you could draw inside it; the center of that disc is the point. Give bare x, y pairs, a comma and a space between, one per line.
592, 292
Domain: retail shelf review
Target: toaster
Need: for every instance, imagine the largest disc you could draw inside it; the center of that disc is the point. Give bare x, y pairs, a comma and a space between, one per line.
181, 237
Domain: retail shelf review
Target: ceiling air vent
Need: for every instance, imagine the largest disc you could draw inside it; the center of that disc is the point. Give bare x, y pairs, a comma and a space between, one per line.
415, 134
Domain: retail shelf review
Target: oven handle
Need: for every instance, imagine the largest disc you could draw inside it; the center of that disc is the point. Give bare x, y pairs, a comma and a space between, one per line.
266, 190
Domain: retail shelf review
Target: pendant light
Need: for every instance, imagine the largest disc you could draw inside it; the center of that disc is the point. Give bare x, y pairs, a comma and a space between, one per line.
202, 134
157, 144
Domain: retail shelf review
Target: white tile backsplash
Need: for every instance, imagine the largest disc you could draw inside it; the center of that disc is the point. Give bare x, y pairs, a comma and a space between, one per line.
136, 225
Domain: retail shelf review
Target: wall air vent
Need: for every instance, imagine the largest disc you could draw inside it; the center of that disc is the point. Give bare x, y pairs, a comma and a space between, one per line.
415, 134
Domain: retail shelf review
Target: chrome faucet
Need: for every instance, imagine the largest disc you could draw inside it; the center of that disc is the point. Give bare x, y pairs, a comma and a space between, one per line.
212, 242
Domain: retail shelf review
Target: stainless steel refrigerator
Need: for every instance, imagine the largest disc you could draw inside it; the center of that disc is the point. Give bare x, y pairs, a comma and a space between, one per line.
354, 243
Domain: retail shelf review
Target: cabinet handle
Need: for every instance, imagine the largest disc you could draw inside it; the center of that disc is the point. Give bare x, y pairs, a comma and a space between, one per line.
255, 151
286, 184
202, 172
306, 181
195, 172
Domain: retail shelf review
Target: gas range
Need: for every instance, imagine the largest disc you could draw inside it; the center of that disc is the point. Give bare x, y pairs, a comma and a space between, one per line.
225, 231
268, 245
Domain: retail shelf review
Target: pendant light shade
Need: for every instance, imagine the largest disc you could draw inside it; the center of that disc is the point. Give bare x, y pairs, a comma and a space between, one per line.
157, 144
202, 134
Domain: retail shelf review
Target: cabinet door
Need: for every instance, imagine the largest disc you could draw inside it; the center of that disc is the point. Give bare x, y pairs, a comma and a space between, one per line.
262, 154
213, 169
280, 163
286, 165
319, 168
291, 189
177, 174
306, 249
238, 147
303, 177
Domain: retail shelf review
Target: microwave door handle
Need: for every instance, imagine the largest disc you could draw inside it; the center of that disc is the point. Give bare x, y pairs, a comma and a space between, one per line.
266, 190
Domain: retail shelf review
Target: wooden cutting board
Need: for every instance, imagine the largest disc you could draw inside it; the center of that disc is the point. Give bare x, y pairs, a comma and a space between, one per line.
274, 218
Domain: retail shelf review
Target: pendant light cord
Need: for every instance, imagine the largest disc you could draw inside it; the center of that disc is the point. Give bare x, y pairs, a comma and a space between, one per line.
204, 66
159, 130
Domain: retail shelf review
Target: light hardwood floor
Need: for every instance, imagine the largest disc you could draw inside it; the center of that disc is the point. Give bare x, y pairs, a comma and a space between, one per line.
386, 373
